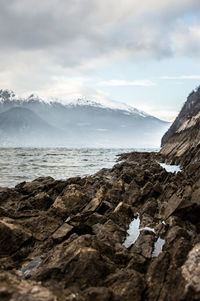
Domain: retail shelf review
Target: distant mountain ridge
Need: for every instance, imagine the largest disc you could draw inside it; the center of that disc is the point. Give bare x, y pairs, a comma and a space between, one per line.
8, 96
84, 123
22, 127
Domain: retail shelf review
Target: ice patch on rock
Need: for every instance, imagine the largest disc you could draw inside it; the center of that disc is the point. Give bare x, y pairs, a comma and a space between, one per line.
170, 168
133, 232
148, 229
158, 247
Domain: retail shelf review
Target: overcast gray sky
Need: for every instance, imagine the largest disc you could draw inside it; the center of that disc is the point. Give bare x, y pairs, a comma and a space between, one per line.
145, 53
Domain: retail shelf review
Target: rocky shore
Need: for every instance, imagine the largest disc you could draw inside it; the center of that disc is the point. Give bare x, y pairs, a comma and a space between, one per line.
66, 240
127, 233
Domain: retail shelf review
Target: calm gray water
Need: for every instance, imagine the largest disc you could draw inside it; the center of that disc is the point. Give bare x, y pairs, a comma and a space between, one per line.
26, 164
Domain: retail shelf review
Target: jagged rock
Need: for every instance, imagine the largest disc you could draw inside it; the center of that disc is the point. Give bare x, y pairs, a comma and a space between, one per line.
127, 284
79, 262
93, 205
150, 207
96, 218
12, 236
41, 226
172, 204
62, 231
144, 244
42, 201
122, 214
138, 262
99, 294
104, 207
132, 193
147, 190
191, 272
15, 288
72, 201
111, 232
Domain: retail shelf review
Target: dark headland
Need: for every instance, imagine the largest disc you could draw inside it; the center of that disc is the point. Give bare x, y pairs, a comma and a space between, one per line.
63, 240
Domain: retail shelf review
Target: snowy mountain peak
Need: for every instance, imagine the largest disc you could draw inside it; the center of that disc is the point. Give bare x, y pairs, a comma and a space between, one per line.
84, 102
10, 96
7, 95
107, 104
36, 98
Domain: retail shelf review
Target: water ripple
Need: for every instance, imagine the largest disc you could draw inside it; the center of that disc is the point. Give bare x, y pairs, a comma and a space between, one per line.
26, 164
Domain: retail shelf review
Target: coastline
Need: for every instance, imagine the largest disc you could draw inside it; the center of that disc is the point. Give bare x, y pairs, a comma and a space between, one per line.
63, 240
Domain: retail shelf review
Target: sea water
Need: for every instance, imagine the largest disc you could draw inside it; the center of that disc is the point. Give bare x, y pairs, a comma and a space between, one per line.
26, 164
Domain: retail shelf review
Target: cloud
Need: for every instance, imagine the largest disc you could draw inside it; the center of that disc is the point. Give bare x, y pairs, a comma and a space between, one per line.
167, 114
120, 83
64, 88
186, 39
44, 39
77, 30
181, 77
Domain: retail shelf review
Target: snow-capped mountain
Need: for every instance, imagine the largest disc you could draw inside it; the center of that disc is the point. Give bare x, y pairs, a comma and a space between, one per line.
10, 96
106, 104
83, 122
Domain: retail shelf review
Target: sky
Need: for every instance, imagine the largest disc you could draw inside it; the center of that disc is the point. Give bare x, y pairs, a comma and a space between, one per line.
144, 53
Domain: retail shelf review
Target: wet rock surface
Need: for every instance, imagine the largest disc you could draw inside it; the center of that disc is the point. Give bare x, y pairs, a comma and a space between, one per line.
64, 240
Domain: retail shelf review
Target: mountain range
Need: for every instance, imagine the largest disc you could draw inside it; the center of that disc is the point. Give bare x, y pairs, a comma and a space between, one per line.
34, 121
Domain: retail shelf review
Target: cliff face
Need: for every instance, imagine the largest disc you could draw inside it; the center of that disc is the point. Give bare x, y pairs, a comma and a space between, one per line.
181, 143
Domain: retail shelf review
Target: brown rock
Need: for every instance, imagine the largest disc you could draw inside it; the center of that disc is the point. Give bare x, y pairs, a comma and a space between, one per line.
144, 244
15, 288
127, 284
93, 205
62, 231
41, 226
96, 218
173, 203
122, 214
77, 262
191, 272
150, 207
73, 199
41, 201
99, 294
147, 190
196, 197
12, 236
111, 233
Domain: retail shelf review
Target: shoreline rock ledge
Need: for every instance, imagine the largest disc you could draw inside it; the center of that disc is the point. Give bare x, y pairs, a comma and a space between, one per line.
65, 240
